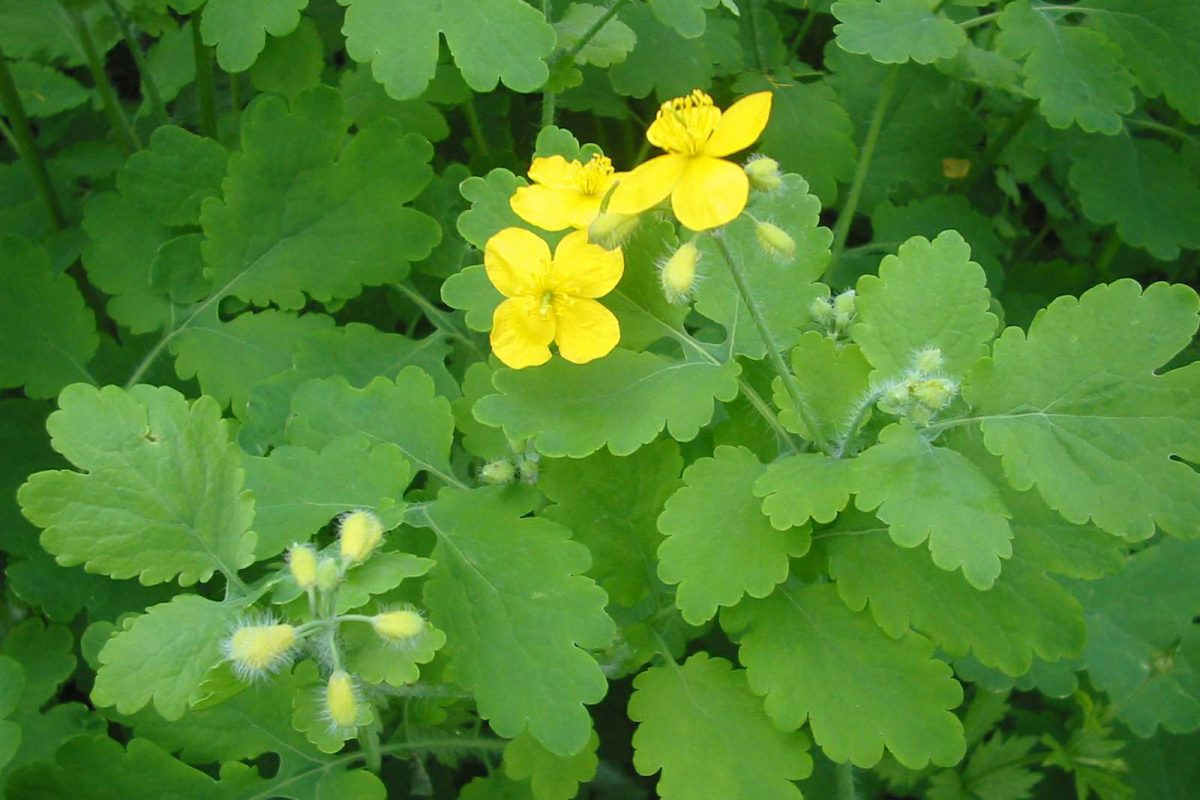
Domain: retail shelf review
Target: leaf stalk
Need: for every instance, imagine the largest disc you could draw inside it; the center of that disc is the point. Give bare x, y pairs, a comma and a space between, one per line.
26, 146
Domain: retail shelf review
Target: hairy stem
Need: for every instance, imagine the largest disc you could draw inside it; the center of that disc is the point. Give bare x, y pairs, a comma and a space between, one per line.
157, 106
205, 81
125, 133
26, 146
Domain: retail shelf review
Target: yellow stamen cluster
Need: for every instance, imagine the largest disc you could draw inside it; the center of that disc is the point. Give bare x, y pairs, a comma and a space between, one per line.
594, 175
684, 125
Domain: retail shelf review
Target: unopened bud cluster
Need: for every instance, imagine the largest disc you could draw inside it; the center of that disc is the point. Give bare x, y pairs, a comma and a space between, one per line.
763, 173
521, 464
835, 314
922, 392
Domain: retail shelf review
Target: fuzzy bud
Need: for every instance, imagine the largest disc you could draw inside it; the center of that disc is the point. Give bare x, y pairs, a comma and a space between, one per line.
896, 399
775, 241
360, 532
327, 575
257, 650
399, 626
934, 393
498, 473
821, 310
846, 303
610, 230
928, 361
764, 174
530, 471
302, 563
678, 273
341, 700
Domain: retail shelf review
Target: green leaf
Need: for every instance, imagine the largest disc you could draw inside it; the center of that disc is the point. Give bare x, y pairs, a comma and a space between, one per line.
375, 660
380, 574
518, 614
49, 332
833, 380
490, 211
1160, 40
495, 787
239, 31
310, 714
895, 31
552, 777
490, 40
609, 45
160, 496
805, 486
638, 301
1143, 187
667, 63
1075, 73
1143, 648
782, 290
472, 291
927, 492
929, 216
859, 689
622, 400
122, 244
699, 724
291, 64
163, 655
303, 215
719, 546
297, 491
366, 101
687, 17
169, 179
1076, 408
930, 294
44, 91
612, 505
404, 413
43, 31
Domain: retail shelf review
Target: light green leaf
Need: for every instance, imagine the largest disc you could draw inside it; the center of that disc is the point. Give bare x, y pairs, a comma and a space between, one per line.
927, 492
44, 91
1076, 408
49, 333
895, 31
311, 717
1075, 73
687, 17
122, 244
930, 294
366, 101
380, 574
805, 486
719, 546
169, 179
291, 64
622, 400
375, 660
490, 40
833, 381
518, 615
472, 291
612, 505
490, 211
665, 62
303, 215
163, 655
478, 439
161, 493
404, 413
171, 61
929, 216
702, 728
859, 689
495, 787
609, 45
297, 491
1143, 648
239, 30
1143, 187
782, 290
638, 301
551, 777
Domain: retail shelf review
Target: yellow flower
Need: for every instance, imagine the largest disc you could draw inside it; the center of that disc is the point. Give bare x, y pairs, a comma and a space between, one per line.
564, 194
551, 299
705, 190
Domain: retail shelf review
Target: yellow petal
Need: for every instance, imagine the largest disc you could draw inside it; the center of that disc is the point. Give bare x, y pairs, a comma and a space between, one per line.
521, 333
711, 193
586, 330
554, 171
516, 261
647, 185
741, 124
583, 269
553, 209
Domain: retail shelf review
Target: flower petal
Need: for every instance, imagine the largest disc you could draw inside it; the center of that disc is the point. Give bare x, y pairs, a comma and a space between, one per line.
553, 209
647, 185
521, 334
555, 172
583, 269
711, 193
516, 261
740, 125
586, 330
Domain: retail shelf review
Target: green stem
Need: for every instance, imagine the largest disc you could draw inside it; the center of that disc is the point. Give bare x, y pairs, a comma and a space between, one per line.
126, 135
440, 320
802, 34
982, 19
1109, 247
845, 782
1151, 125
590, 33
752, 11
205, 82
139, 59
152, 356
235, 92
846, 216
781, 368
760, 405
472, 116
23, 142
368, 740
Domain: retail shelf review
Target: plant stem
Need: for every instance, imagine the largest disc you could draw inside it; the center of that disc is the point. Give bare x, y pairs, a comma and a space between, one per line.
23, 142
845, 782
126, 135
235, 92
996, 147
139, 59
1109, 247
982, 19
781, 367
549, 98
468, 109
842, 230
205, 82
802, 34
440, 320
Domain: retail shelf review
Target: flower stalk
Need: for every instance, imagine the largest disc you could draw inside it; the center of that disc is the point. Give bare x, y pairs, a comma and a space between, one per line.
26, 145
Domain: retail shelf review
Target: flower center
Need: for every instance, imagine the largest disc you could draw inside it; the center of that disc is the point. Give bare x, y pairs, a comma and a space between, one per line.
593, 177
685, 124
547, 302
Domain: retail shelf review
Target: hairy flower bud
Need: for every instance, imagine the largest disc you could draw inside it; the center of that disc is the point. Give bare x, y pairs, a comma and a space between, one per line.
775, 241
678, 273
328, 576
821, 310
498, 472
341, 700
928, 361
764, 174
257, 650
400, 625
360, 532
302, 563
610, 230
934, 393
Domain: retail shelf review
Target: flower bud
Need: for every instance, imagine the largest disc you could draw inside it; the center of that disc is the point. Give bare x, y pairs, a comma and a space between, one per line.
327, 575
678, 273
257, 650
530, 471
341, 700
302, 562
845, 304
934, 393
956, 169
498, 473
928, 361
895, 399
775, 241
764, 174
361, 532
610, 230
399, 626
821, 310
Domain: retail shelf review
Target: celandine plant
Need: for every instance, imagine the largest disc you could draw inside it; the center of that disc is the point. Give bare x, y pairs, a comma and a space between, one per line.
827, 429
